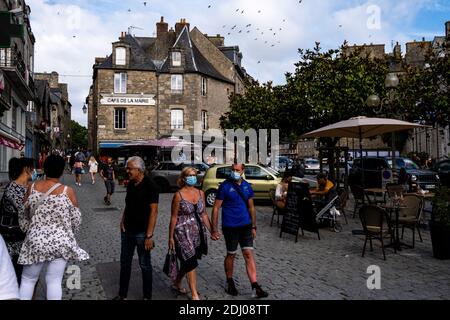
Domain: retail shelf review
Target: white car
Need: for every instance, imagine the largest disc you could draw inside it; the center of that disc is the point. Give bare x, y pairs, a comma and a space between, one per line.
312, 165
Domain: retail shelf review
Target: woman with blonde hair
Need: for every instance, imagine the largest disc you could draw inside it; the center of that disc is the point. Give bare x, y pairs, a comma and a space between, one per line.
93, 168
187, 230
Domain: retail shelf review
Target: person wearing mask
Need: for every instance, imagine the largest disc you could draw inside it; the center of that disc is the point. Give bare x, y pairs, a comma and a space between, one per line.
235, 197
187, 230
21, 172
51, 218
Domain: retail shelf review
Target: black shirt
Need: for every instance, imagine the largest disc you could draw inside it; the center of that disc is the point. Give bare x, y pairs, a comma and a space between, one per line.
137, 204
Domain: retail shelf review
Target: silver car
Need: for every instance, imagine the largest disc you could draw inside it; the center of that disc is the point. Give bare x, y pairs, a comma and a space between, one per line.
167, 173
312, 166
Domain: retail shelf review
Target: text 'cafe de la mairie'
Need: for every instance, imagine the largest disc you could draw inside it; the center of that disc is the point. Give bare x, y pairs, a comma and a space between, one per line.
150, 86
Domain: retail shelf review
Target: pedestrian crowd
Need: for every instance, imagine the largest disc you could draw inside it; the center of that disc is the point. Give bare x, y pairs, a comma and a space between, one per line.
39, 219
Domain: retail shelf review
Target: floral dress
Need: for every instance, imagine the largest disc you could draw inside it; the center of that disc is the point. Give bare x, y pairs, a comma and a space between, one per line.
51, 230
190, 234
14, 194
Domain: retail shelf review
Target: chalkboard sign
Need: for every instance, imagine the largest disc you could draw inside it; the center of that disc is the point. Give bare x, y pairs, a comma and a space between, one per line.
299, 212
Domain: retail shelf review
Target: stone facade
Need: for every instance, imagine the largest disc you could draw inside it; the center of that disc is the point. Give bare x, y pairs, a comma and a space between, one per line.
208, 78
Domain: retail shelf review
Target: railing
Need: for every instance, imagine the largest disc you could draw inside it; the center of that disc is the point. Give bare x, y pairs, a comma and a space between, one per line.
12, 58
12, 132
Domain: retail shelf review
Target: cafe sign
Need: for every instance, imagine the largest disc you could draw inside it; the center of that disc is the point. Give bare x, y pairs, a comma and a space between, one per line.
128, 100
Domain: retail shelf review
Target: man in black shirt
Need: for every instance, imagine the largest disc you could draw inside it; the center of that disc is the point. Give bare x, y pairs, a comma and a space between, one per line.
137, 226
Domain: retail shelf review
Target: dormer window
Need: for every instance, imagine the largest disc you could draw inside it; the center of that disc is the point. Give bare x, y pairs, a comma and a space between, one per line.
121, 56
176, 59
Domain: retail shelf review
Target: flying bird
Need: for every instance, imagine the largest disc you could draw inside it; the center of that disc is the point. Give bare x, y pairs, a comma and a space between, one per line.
259, 61
145, 3
209, 6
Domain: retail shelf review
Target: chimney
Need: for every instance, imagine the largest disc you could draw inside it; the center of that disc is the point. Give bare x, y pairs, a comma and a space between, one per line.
397, 52
122, 35
447, 30
161, 28
180, 25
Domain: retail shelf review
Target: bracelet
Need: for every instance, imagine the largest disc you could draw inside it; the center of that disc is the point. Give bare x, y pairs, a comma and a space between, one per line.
149, 237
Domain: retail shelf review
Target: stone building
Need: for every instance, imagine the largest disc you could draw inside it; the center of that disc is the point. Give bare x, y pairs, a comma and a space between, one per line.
17, 91
150, 86
58, 125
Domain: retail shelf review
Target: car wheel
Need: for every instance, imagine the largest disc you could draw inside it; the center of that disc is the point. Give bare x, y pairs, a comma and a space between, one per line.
163, 185
210, 197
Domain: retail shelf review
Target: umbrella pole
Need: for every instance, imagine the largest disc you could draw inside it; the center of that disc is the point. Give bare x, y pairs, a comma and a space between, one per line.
362, 165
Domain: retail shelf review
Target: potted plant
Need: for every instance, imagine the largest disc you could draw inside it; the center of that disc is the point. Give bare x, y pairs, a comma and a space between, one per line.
440, 223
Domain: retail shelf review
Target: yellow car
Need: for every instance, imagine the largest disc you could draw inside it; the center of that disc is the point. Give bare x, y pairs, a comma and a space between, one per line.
262, 179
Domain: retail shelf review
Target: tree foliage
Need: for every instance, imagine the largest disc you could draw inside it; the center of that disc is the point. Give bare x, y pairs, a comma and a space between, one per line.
79, 135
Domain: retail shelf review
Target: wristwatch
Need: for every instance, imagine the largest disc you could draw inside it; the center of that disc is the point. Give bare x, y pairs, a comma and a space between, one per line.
254, 227
149, 237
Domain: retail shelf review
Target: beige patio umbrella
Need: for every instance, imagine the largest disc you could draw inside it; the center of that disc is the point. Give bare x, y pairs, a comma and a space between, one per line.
361, 127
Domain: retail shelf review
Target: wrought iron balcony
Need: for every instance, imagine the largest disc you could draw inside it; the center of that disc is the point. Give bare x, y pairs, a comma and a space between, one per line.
12, 63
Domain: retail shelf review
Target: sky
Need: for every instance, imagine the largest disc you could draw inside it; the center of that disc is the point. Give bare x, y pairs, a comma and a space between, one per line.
71, 33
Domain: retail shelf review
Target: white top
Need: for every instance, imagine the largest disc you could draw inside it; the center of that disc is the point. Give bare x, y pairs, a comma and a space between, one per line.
9, 288
93, 166
281, 191
51, 230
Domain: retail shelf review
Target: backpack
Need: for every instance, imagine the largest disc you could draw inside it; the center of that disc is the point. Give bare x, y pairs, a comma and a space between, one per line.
9, 220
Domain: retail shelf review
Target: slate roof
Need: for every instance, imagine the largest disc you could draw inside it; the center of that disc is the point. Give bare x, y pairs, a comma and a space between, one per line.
194, 60
140, 59
40, 89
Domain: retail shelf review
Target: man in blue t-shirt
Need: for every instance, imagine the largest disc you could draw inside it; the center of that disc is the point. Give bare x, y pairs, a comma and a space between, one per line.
235, 196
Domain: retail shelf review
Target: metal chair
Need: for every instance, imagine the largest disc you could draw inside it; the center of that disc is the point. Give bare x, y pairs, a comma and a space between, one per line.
360, 197
373, 220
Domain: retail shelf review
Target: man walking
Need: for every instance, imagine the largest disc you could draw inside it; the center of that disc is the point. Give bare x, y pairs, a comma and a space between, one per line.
235, 196
107, 174
137, 226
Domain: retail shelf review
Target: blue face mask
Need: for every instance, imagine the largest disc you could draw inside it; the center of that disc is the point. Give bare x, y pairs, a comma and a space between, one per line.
191, 181
34, 175
235, 176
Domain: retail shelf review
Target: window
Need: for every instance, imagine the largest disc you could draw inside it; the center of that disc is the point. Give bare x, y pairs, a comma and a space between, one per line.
14, 117
120, 83
177, 83
204, 92
120, 119
176, 119
223, 173
204, 120
255, 173
176, 59
121, 56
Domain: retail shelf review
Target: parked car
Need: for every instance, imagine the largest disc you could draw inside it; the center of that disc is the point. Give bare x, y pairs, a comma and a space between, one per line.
260, 177
283, 164
167, 173
312, 166
443, 170
373, 166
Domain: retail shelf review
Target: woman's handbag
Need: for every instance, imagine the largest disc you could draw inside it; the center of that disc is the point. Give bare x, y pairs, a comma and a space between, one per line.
171, 267
9, 221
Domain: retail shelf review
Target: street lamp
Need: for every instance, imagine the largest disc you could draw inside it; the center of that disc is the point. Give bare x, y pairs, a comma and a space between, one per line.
373, 101
84, 109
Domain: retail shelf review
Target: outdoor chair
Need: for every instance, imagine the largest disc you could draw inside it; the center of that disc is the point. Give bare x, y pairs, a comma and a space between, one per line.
360, 197
276, 211
409, 217
375, 226
393, 190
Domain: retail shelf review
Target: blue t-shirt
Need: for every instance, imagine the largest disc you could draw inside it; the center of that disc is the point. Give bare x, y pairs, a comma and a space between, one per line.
234, 209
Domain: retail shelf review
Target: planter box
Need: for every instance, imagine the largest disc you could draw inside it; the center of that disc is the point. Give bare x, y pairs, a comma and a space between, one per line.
440, 239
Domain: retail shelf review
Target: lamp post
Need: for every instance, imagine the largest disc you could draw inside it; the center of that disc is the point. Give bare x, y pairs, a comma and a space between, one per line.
84, 109
378, 105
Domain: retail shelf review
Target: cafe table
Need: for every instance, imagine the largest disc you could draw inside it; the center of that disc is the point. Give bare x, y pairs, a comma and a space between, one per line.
395, 207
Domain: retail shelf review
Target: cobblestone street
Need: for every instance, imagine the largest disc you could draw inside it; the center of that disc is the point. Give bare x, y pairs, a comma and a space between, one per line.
330, 268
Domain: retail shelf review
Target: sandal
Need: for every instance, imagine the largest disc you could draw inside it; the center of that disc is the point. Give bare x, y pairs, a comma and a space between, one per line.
179, 290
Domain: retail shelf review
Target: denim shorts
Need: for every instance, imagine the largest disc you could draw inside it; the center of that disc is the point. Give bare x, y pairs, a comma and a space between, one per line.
109, 186
238, 235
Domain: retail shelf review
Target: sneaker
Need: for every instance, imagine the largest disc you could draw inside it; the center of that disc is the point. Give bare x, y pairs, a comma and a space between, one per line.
231, 289
119, 298
259, 292
93, 182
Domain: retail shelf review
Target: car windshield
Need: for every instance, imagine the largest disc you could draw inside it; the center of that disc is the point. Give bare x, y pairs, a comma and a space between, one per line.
404, 163
273, 171
312, 162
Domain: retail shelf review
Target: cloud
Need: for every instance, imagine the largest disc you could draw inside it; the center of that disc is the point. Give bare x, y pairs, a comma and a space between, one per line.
70, 34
